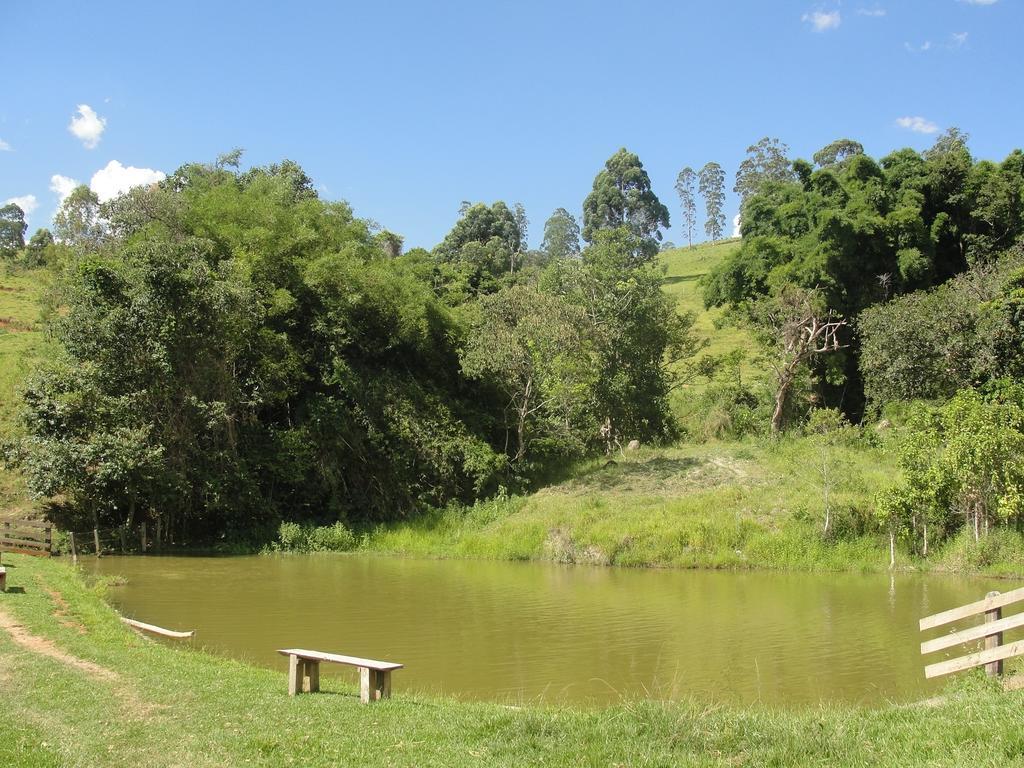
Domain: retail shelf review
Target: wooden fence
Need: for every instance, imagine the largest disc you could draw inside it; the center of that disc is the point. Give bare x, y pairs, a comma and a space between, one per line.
991, 632
28, 537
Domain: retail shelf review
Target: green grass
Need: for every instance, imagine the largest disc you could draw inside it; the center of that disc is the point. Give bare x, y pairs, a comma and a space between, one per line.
22, 345
167, 706
750, 504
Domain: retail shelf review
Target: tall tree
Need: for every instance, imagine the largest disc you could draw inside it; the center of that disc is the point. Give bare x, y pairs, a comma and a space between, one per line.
712, 189
12, 229
561, 236
77, 222
766, 161
837, 152
685, 182
622, 196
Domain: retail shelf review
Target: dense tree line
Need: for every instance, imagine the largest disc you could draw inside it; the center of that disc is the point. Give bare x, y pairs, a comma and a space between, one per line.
237, 351
857, 232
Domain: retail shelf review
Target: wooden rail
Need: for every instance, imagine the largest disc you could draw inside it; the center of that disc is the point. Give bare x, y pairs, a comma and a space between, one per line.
158, 630
991, 632
27, 537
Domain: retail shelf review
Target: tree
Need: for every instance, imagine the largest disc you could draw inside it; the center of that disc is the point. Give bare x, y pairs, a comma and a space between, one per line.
531, 346
622, 196
766, 161
837, 152
390, 244
77, 222
561, 236
712, 189
795, 329
12, 229
685, 182
642, 345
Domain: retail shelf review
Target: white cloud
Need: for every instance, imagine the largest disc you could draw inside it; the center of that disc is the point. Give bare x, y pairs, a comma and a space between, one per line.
959, 40
88, 127
27, 203
925, 46
979, 2
63, 186
5, 147
822, 21
115, 179
917, 124
875, 12
736, 225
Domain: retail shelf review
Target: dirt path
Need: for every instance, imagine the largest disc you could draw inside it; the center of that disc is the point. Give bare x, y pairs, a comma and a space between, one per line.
36, 644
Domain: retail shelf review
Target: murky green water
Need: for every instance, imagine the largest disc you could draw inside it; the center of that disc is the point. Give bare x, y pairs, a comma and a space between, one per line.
529, 632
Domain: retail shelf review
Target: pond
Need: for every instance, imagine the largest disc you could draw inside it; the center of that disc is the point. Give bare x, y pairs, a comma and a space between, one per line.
537, 632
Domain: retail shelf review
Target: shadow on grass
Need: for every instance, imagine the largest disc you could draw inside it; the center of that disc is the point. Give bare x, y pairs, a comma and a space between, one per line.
674, 279
617, 473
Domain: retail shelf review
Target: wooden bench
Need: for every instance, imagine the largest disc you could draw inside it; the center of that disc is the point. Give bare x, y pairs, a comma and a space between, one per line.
304, 673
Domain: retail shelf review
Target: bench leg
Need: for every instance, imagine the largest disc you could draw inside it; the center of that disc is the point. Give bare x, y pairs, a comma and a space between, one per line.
311, 677
374, 685
295, 670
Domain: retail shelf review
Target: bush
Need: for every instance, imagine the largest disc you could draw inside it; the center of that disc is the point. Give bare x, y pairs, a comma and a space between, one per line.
292, 537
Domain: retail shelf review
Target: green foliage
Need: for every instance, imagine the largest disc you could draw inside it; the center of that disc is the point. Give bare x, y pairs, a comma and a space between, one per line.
293, 537
860, 231
622, 197
77, 222
637, 336
930, 344
561, 236
12, 230
962, 467
766, 161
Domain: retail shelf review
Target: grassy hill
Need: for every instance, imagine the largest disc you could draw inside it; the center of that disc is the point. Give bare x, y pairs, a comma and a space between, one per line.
22, 344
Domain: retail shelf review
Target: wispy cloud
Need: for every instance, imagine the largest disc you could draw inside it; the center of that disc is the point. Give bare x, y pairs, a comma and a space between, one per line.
958, 40
979, 2
87, 126
5, 147
875, 12
917, 124
822, 21
922, 48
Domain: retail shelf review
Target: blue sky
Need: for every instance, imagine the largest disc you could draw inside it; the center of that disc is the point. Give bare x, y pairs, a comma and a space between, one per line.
405, 109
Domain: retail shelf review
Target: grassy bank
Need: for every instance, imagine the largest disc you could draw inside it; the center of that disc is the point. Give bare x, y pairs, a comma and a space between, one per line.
22, 345
79, 689
751, 504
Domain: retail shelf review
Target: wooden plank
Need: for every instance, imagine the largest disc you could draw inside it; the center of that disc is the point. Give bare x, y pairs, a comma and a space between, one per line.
953, 614
335, 658
157, 630
973, 633
975, 659
26, 524
4, 540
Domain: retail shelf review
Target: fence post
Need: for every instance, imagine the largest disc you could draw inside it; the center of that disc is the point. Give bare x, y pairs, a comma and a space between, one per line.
74, 552
96, 540
142, 535
993, 668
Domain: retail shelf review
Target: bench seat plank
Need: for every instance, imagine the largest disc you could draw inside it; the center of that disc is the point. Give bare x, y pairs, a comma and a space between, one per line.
335, 658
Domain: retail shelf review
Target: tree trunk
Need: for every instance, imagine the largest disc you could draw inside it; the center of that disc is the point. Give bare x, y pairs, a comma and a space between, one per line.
925, 553
892, 549
781, 394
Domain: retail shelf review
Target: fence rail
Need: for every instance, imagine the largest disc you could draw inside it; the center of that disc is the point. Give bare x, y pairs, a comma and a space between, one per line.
991, 632
27, 537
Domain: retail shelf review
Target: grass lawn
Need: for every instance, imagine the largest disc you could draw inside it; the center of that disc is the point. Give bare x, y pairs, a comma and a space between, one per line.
77, 688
